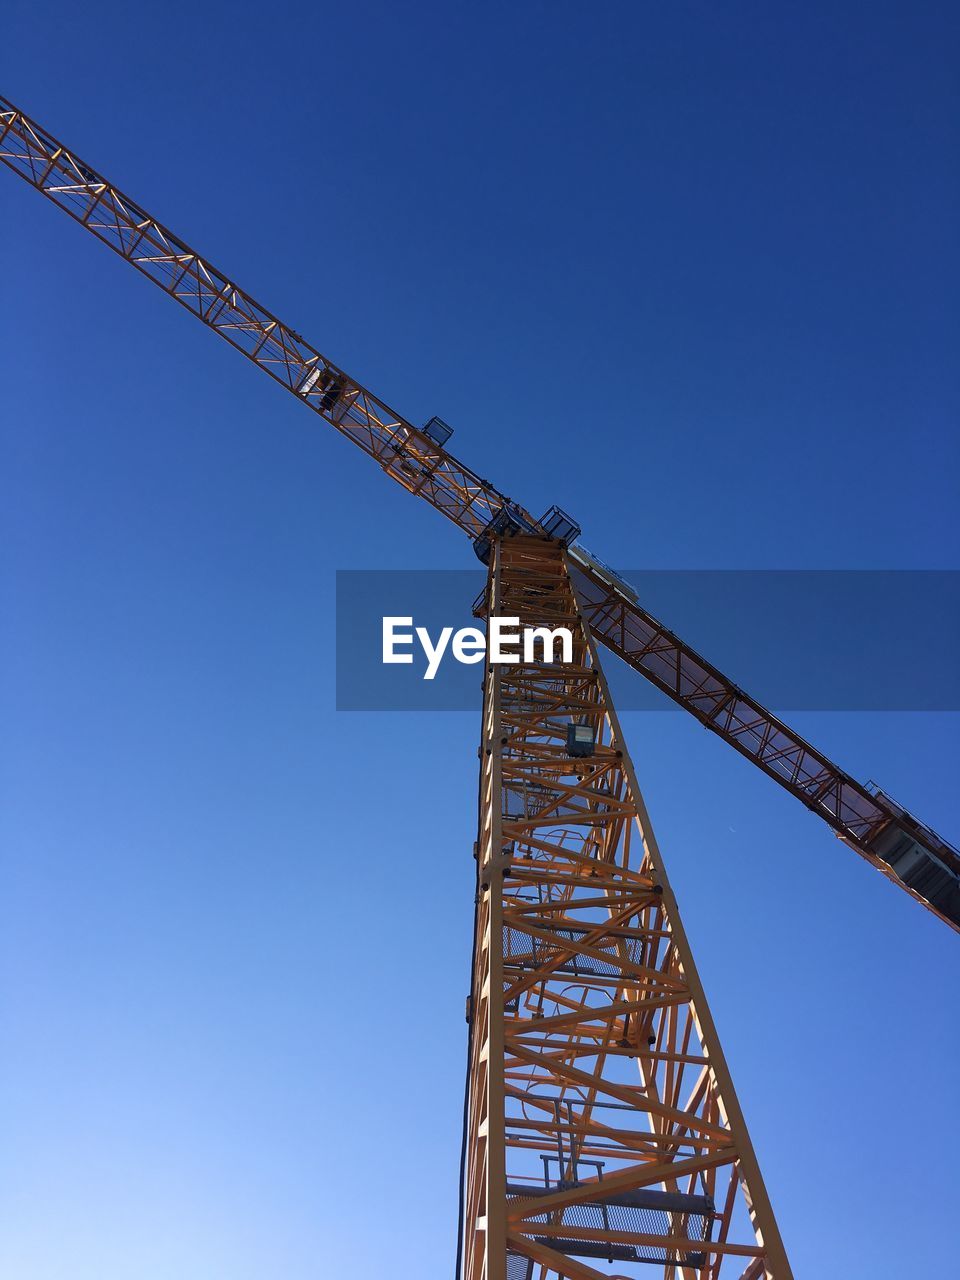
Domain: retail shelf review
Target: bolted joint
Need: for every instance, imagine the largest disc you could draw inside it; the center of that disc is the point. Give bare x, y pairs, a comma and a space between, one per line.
499, 864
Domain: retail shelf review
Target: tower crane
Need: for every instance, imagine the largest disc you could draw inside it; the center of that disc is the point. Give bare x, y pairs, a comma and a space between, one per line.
601, 1127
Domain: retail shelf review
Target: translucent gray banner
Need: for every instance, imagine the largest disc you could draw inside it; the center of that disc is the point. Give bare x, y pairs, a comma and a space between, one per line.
797, 640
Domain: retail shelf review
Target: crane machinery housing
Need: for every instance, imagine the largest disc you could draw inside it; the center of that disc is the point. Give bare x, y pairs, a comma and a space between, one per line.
601, 1127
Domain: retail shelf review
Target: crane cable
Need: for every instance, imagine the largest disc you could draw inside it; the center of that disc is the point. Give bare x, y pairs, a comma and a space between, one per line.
461, 1208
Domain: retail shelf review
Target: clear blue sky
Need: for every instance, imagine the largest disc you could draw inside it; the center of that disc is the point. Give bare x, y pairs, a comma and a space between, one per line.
688, 270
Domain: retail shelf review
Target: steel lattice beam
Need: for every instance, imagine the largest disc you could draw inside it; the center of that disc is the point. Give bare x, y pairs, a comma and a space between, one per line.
603, 1124
406, 453
903, 849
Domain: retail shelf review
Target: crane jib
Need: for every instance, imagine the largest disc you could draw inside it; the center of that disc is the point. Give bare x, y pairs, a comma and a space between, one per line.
907, 851
410, 455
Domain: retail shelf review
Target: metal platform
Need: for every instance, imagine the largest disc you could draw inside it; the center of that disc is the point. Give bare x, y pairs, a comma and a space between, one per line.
643, 1212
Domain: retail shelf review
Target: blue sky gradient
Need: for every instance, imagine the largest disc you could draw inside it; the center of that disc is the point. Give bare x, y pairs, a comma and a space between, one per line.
689, 271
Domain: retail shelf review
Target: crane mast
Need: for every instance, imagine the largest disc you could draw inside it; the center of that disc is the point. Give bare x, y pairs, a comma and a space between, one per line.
602, 1125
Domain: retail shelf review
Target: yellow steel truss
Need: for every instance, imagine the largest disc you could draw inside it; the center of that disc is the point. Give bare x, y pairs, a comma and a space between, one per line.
603, 1127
